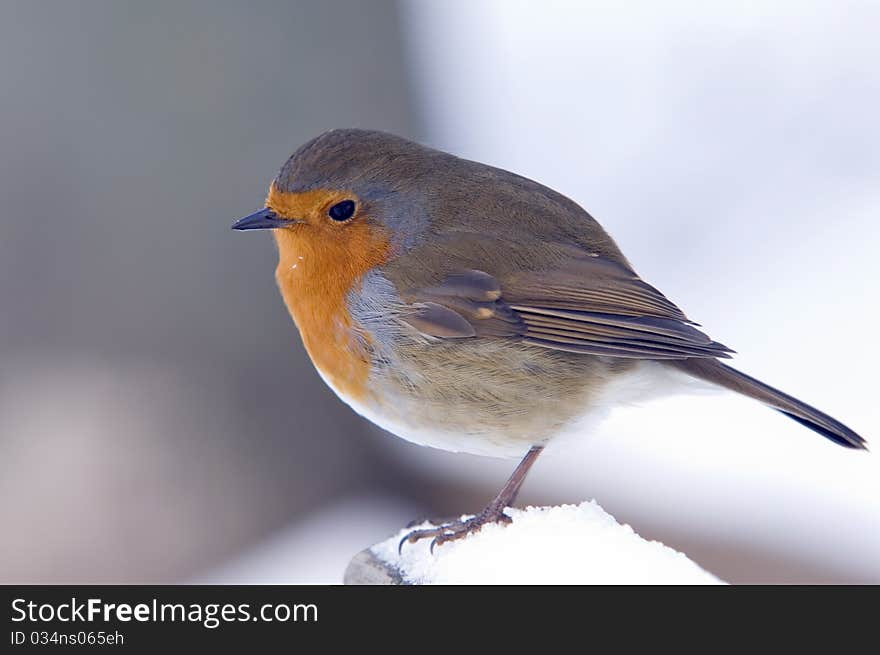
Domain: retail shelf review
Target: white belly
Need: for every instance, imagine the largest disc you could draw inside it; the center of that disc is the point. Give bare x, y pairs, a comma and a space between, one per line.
646, 381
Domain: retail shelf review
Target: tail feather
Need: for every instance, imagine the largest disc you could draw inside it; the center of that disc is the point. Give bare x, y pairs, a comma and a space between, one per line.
711, 370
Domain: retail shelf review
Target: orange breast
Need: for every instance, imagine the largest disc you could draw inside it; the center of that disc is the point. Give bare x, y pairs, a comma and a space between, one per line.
319, 263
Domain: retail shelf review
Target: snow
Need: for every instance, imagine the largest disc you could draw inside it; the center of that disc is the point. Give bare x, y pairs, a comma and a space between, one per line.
566, 544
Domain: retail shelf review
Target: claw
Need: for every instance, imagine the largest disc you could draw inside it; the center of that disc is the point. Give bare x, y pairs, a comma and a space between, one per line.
453, 530
494, 512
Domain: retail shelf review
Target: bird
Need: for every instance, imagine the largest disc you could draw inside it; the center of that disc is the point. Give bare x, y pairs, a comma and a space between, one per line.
467, 308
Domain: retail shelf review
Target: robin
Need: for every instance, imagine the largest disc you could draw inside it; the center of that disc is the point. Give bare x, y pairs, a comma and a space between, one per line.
467, 308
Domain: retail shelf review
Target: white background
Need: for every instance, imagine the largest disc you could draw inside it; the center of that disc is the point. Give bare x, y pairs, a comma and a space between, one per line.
733, 151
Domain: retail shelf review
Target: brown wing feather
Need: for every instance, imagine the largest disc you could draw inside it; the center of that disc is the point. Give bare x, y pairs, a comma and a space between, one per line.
588, 305
590, 283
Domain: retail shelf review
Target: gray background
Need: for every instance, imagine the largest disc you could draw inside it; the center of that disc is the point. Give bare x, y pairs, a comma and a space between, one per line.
157, 411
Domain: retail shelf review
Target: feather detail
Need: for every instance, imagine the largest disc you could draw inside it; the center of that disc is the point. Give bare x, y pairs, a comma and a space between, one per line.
588, 305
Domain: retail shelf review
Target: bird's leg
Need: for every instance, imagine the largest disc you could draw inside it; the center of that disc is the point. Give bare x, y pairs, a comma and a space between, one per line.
493, 512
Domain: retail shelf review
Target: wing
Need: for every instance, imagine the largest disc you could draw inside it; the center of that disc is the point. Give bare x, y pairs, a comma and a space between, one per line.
585, 304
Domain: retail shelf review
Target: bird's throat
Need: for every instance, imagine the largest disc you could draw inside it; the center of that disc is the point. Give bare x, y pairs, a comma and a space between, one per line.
316, 274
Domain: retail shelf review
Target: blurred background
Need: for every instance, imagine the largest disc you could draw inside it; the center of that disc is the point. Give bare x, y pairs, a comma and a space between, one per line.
159, 419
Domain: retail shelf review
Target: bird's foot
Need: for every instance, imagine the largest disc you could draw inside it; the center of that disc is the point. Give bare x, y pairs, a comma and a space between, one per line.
453, 530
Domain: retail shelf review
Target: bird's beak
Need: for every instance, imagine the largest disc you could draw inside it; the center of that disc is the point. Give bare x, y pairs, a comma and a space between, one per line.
265, 219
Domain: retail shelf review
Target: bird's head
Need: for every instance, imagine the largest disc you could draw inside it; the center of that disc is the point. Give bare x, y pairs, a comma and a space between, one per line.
345, 202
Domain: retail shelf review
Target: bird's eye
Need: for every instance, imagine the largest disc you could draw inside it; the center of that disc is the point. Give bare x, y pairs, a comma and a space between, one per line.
341, 211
